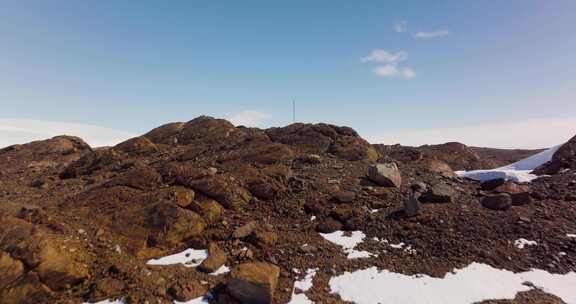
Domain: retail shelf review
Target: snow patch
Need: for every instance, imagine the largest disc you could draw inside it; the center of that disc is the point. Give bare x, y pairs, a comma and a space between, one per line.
474, 283
303, 285
521, 243
520, 171
107, 301
189, 258
348, 243
199, 300
222, 270
570, 235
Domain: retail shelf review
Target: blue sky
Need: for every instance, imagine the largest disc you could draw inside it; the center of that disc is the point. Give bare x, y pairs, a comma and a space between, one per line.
133, 65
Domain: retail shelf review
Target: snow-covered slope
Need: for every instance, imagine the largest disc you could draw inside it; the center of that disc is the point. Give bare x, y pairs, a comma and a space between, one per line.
20, 131
519, 171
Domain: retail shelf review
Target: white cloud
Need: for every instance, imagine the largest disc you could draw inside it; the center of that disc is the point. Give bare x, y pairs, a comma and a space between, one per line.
383, 56
400, 26
519, 134
408, 73
20, 131
248, 118
433, 34
391, 70
391, 61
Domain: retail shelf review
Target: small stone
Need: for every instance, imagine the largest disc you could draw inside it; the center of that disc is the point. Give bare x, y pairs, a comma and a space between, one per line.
308, 249
344, 196
245, 230
264, 238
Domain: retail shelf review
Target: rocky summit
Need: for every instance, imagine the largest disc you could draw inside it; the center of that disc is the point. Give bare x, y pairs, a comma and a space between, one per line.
248, 214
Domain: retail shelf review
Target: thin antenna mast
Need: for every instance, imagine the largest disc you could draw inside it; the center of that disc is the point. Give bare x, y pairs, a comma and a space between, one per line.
293, 111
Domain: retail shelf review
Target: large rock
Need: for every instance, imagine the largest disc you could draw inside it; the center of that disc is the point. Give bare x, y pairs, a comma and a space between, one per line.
91, 162
563, 158
41, 251
343, 142
439, 193
437, 166
10, 269
223, 188
501, 201
386, 175
254, 283
137, 146
187, 290
172, 224
142, 177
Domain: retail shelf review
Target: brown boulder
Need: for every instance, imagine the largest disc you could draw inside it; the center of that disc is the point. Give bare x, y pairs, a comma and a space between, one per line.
254, 283
27, 290
244, 230
223, 188
263, 238
171, 224
343, 142
501, 201
91, 162
187, 290
492, 184
166, 134
344, 196
438, 166
209, 209
563, 158
328, 225
438, 193
41, 251
10, 269
179, 195
386, 175
106, 288
216, 259
137, 146
140, 177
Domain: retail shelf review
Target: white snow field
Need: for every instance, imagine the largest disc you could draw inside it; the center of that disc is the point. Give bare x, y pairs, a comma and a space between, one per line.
520, 171
474, 283
348, 243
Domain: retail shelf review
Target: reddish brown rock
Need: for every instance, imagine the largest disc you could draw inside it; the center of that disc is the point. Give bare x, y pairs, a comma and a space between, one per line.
216, 259
497, 201
187, 290
254, 283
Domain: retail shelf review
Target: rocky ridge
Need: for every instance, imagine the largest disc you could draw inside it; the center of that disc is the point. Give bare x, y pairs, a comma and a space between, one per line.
84, 221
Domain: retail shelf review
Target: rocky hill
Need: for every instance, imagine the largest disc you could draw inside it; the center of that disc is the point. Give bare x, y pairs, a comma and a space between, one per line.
82, 224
